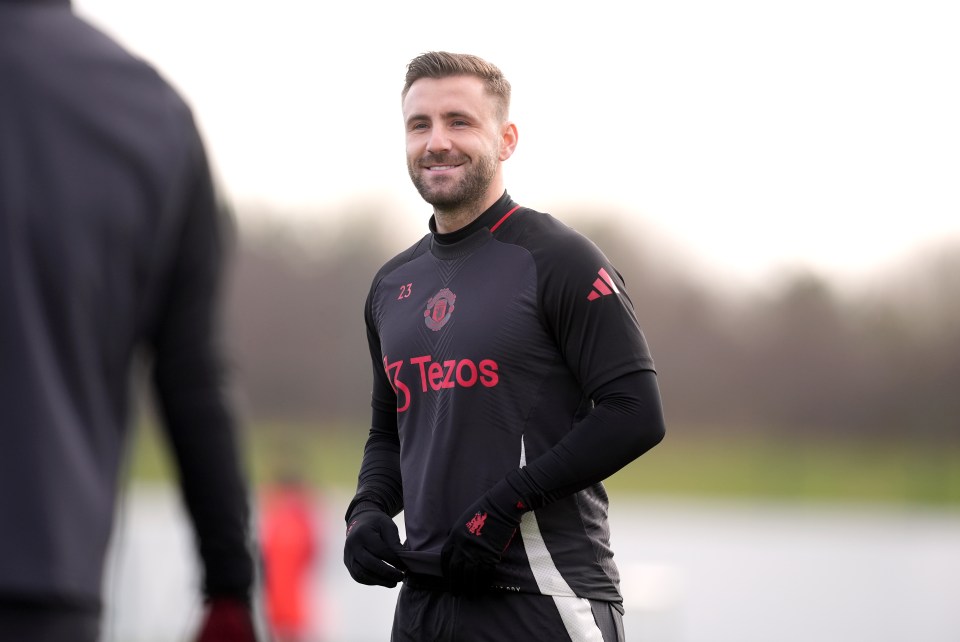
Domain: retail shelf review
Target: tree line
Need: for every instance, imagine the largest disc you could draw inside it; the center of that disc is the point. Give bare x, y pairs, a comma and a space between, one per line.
799, 358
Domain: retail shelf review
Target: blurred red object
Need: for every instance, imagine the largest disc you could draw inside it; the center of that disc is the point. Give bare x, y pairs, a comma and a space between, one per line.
289, 539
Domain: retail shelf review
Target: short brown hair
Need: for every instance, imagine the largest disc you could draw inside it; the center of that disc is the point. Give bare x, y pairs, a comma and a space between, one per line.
442, 64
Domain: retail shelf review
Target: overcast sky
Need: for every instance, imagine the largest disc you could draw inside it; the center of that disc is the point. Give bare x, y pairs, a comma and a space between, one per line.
754, 134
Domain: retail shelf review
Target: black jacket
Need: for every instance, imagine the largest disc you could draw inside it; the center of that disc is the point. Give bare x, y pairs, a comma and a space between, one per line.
111, 246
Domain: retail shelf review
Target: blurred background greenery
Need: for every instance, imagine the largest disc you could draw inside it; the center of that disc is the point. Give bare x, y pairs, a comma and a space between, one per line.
800, 388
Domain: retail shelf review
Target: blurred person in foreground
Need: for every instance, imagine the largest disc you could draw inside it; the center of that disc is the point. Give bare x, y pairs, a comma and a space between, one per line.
111, 247
511, 377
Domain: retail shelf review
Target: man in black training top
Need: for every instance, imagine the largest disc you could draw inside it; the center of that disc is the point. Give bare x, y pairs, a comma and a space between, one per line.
510, 378
111, 246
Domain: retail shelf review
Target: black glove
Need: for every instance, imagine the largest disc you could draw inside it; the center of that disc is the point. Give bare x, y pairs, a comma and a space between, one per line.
371, 548
482, 534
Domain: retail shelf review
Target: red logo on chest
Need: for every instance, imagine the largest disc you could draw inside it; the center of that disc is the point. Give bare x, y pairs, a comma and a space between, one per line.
439, 309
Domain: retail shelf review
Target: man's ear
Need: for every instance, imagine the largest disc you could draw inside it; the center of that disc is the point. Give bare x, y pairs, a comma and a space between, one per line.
508, 140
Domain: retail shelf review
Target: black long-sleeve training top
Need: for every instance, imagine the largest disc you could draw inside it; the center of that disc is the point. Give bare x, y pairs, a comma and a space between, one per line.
111, 245
510, 343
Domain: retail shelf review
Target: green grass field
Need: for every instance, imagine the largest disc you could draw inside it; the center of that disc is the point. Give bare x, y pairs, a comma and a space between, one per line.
731, 467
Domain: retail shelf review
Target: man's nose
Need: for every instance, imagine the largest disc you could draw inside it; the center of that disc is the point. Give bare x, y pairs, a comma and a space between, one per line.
438, 141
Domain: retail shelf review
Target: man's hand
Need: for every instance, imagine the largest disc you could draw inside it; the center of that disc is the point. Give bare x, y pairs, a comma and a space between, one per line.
370, 550
227, 620
479, 538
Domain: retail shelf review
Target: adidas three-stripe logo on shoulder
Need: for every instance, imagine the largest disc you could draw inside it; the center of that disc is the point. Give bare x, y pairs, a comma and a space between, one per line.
603, 286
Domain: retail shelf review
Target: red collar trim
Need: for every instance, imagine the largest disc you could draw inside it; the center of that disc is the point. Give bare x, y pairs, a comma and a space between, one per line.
505, 217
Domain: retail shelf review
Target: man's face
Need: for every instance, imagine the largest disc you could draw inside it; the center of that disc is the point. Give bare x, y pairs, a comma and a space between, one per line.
454, 140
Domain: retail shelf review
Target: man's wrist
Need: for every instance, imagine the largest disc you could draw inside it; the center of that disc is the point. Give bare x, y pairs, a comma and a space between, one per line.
511, 495
361, 506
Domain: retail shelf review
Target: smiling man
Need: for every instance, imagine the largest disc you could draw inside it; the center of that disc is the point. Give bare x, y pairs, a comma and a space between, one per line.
511, 377
457, 138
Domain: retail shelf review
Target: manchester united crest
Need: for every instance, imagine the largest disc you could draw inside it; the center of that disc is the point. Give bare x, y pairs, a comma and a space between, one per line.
439, 309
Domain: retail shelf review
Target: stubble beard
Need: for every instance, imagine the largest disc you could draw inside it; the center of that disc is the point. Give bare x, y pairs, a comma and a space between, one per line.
446, 195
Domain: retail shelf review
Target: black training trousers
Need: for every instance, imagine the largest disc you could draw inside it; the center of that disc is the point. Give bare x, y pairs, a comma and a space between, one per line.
439, 616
